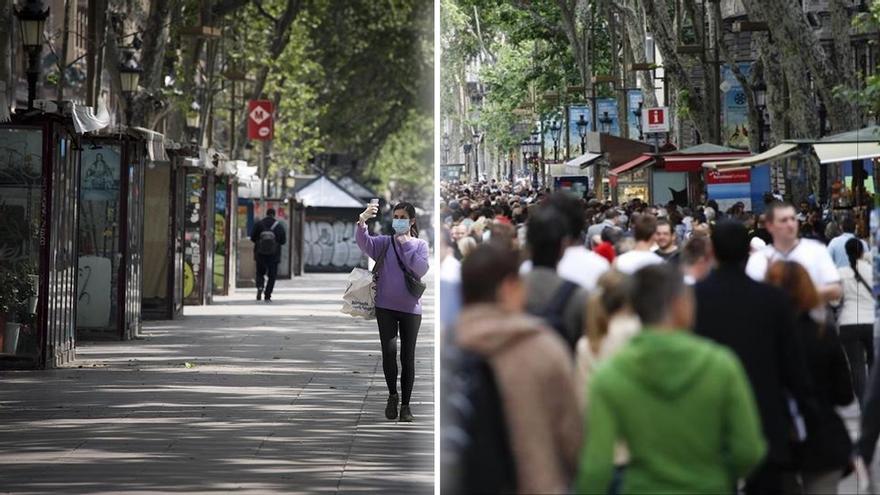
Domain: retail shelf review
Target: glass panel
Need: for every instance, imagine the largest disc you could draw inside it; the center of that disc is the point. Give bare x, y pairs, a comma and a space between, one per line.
21, 179
156, 241
221, 202
99, 233
192, 254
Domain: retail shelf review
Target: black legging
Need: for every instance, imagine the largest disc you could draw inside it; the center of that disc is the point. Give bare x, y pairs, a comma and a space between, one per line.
858, 343
407, 324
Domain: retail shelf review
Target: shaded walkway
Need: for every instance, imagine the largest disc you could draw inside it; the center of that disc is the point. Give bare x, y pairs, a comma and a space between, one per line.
238, 396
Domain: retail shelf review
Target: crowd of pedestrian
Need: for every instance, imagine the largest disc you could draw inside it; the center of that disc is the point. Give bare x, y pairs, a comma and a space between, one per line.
592, 347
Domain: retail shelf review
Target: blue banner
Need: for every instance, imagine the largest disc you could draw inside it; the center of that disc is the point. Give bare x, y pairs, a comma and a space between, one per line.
633, 98
574, 137
548, 136
735, 108
607, 108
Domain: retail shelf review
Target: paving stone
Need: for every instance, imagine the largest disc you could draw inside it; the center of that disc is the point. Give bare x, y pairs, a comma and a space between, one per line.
285, 397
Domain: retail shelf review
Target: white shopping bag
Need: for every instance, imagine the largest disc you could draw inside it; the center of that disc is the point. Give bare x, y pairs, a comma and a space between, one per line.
360, 296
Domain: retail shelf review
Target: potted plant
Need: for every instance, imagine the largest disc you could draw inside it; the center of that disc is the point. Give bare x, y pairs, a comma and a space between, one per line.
17, 304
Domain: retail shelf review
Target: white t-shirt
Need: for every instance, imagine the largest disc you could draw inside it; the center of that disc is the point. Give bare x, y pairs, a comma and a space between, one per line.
633, 261
810, 254
858, 302
582, 266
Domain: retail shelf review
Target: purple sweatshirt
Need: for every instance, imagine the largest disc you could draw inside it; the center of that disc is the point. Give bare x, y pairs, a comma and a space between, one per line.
391, 292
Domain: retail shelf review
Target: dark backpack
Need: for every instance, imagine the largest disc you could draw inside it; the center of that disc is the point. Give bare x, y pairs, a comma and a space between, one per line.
552, 312
473, 436
267, 244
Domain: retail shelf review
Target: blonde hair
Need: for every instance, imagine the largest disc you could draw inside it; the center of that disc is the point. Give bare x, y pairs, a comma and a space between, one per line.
609, 297
466, 245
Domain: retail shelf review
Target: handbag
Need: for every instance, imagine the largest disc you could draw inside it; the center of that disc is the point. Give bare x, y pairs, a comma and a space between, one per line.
360, 296
415, 286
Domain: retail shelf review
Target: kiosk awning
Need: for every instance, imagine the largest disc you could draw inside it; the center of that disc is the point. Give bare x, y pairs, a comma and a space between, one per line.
583, 160
845, 152
155, 144
641, 160
778, 152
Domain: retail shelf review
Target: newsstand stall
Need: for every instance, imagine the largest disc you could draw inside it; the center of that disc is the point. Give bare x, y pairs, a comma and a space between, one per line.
198, 232
39, 189
225, 216
110, 247
328, 237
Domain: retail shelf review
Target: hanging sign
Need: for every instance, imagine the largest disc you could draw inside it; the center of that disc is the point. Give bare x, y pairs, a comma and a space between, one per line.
260, 122
656, 119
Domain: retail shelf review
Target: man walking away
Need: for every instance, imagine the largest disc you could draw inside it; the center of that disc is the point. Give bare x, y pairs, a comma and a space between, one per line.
681, 403
756, 321
510, 423
558, 301
268, 237
837, 246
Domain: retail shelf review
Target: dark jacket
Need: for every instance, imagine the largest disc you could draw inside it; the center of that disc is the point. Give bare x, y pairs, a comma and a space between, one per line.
871, 413
828, 447
280, 236
757, 322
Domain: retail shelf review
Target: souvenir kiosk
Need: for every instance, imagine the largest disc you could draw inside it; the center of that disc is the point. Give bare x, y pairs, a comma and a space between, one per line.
39, 190
163, 235
198, 230
110, 241
225, 215
328, 237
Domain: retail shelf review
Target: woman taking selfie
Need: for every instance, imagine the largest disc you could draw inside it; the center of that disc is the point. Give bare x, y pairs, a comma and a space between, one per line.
403, 260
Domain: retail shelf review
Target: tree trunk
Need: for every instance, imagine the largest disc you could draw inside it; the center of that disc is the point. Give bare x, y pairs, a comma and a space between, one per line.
62, 58
634, 30
7, 82
799, 48
676, 68
153, 56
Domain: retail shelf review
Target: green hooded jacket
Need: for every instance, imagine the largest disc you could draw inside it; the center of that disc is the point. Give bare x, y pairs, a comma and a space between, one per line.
684, 408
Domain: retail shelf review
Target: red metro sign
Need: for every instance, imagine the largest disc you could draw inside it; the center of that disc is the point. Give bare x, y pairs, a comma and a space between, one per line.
260, 122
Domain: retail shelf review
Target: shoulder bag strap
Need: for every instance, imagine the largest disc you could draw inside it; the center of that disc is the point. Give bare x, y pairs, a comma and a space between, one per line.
399, 262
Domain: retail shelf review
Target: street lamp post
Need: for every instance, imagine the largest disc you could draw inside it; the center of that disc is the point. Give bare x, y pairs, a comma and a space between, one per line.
445, 148
476, 137
582, 126
760, 90
605, 121
555, 131
129, 75
534, 148
638, 115
31, 19
467, 156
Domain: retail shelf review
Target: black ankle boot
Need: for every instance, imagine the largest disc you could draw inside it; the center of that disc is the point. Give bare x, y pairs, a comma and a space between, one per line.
405, 414
391, 406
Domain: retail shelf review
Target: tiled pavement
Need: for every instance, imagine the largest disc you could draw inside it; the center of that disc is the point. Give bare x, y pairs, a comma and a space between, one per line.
280, 398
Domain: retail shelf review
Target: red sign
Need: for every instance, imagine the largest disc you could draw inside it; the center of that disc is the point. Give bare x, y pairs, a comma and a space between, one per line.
260, 122
728, 177
656, 120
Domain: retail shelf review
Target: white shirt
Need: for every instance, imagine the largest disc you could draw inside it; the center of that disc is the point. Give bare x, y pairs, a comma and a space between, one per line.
858, 302
810, 254
582, 266
837, 248
633, 261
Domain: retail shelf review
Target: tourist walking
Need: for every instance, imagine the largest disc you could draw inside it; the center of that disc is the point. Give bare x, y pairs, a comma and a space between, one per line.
644, 228
757, 323
681, 403
825, 455
398, 309
268, 236
530, 394
856, 318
